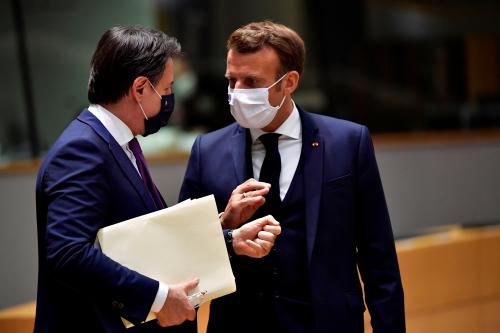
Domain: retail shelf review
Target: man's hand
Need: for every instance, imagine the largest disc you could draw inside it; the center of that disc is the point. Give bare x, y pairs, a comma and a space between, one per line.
176, 308
256, 238
244, 202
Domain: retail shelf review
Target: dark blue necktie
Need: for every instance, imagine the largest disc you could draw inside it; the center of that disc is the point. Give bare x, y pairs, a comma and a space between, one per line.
145, 175
270, 173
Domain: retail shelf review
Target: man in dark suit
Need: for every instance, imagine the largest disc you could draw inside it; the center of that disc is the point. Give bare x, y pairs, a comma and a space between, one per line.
95, 175
325, 191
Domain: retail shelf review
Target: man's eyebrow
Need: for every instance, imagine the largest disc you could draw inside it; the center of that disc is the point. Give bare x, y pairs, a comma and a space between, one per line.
251, 76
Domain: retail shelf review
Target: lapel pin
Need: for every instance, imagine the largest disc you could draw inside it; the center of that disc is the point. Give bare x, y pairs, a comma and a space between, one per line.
315, 144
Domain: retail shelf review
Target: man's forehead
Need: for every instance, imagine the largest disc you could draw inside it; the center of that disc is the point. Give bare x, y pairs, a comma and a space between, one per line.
257, 64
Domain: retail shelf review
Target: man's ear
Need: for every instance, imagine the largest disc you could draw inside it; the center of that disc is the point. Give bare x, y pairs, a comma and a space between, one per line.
137, 88
291, 82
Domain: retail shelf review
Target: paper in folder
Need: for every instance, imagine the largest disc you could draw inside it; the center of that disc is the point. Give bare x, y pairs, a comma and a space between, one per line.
174, 245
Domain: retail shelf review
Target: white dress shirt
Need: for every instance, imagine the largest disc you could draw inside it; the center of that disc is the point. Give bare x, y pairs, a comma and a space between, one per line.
122, 134
289, 146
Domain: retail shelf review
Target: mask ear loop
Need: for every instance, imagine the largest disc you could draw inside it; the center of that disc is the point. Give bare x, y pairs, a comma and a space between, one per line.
143, 111
275, 83
272, 85
282, 101
154, 89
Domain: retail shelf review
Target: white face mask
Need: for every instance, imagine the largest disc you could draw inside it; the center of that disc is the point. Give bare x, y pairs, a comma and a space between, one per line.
251, 108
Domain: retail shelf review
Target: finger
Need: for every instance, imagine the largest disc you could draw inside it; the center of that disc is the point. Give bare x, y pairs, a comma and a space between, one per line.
190, 285
238, 201
247, 204
162, 323
273, 222
191, 315
256, 192
259, 223
256, 248
265, 245
241, 188
252, 185
250, 201
249, 195
266, 236
270, 220
275, 230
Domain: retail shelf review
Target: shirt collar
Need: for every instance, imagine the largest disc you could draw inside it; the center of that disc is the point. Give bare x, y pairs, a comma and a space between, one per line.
117, 128
291, 127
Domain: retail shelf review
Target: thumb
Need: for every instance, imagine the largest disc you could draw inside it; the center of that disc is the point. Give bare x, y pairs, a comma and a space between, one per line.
269, 219
264, 220
190, 285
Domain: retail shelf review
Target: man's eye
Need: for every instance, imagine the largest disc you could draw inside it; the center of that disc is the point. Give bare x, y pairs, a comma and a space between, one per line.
250, 83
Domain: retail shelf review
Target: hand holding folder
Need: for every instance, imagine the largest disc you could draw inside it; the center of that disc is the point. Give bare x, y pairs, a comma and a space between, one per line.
174, 245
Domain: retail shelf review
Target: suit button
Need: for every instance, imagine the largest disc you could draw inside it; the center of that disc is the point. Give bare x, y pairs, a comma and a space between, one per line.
260, 294
276, 295
117, 305
275, 271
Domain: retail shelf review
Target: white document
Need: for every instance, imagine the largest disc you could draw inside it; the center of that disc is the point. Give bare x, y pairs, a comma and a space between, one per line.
174, 245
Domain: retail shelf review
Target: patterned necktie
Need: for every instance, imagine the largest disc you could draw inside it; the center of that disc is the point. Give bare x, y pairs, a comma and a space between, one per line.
145, 175
270, 172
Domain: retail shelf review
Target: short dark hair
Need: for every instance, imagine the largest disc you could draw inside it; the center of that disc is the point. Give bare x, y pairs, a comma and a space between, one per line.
285, 41
122, 55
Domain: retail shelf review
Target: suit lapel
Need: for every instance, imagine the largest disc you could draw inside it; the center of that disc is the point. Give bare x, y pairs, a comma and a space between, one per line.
313, 150
121, 158
132, 175
239, 144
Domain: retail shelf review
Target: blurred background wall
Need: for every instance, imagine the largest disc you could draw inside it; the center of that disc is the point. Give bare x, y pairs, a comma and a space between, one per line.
425, 186
398, 66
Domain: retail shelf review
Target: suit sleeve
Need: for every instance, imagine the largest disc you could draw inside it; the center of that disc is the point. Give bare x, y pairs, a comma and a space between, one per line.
192, 185
377, 257
77, 192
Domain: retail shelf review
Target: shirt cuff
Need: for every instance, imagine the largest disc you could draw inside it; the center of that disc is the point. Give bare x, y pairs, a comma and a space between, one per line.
161, 297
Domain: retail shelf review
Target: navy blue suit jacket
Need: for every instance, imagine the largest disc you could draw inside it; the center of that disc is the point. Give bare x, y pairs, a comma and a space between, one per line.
347, 222
87, 182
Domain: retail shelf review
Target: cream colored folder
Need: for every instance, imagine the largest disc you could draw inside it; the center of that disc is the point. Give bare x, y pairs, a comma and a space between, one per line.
174, 245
